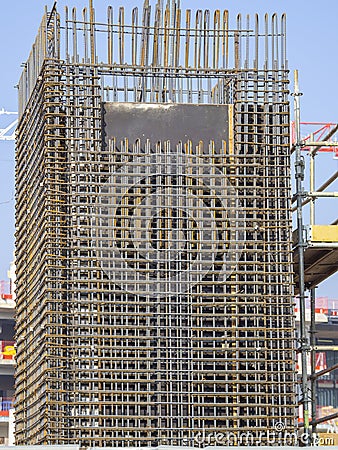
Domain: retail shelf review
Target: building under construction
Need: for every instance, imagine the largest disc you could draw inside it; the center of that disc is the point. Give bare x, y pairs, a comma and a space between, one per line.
153, 244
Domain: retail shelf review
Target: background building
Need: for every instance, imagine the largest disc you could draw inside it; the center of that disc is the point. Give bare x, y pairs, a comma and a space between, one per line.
154, 278
7, 360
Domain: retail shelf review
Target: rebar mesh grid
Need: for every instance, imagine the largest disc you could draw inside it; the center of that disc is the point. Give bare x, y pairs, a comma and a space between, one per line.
154, 278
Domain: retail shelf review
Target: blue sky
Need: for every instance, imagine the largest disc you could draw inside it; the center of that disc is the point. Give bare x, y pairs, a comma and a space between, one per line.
312, 49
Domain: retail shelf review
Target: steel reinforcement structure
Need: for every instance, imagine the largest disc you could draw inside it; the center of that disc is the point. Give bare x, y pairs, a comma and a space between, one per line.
153, 253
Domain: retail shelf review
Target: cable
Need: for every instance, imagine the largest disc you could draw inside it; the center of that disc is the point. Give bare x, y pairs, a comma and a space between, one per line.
7, 201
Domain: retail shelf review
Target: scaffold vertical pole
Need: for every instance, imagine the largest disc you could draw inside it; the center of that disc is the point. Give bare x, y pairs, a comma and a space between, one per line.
299, 175
313, 364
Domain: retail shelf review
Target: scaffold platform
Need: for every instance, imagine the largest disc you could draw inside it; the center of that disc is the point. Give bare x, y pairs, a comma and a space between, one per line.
320, 255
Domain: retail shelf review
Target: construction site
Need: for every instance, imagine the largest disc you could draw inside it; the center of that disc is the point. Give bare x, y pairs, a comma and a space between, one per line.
156, 268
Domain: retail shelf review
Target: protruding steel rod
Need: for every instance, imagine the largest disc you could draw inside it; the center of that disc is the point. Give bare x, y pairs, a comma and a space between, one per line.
92, 32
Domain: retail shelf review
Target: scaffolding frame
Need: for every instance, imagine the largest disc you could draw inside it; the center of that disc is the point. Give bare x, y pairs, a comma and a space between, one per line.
103, 366
320, 239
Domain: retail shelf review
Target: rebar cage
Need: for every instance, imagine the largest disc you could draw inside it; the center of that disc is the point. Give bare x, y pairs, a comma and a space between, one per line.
154, 278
